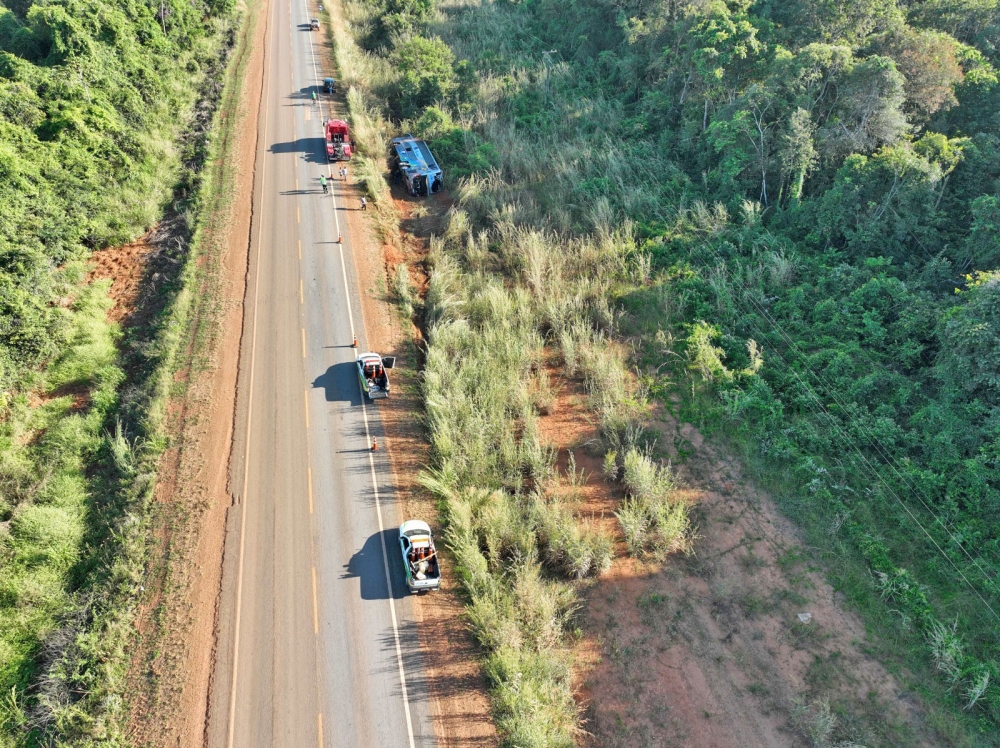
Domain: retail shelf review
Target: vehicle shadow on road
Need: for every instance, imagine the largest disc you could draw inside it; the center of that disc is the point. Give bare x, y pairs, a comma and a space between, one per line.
367, 565
312, 149
317, 191
340, 383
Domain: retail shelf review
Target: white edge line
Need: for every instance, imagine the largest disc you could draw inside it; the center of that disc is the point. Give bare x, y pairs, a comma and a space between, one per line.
371, 460
322, 121
388, 578
381, 526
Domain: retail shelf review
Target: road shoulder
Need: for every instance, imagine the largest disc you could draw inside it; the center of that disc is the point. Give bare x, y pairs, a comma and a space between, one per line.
459, 705
172, 663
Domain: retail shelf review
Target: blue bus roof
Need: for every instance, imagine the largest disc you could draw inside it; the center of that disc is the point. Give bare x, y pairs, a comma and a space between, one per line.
414, 154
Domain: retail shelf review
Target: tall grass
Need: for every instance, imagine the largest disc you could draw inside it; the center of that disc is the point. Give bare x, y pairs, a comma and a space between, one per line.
654, 521
44, 450
501, 298
517, 613
522, 273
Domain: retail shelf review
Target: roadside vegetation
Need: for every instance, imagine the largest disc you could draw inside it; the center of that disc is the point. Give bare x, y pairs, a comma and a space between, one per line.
104, 117
790, 211
493, 326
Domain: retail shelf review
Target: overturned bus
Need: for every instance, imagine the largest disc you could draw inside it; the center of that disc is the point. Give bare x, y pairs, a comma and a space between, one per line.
414, 164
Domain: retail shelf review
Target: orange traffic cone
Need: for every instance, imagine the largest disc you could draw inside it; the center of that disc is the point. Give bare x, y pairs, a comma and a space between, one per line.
355, 343
374, 444
340, 238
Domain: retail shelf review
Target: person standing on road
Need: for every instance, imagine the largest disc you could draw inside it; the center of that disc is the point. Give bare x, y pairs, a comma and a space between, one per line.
364, 203
323, 184
343, 172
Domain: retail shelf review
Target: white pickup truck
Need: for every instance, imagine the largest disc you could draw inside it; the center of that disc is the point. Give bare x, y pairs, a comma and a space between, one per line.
423, 570
372, 373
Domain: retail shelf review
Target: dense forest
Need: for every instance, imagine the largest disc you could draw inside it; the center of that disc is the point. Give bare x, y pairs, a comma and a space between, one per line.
96, 100
810, 191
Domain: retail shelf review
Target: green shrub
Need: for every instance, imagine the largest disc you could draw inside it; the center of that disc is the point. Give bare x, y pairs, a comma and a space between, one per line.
567, 546
463, 153
427, 74
652, 519
93, 99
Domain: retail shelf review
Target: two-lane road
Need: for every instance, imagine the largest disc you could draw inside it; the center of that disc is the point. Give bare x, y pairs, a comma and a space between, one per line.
316, 642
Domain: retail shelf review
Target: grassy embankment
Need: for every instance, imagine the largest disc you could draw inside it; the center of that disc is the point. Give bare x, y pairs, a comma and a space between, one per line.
779, 204
491, 325
102, 134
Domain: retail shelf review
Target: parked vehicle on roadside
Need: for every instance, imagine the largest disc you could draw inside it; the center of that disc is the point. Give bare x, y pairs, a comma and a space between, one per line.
338, 140
414, 164
314, 24
372, 372
420, 559
329, 85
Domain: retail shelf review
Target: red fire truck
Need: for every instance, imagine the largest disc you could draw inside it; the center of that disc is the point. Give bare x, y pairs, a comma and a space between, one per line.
338, 140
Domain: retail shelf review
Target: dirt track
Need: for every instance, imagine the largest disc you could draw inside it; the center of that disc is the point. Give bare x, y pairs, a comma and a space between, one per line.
172, 665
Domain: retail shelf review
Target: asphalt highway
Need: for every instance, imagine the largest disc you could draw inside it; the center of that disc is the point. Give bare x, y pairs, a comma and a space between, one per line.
316, 640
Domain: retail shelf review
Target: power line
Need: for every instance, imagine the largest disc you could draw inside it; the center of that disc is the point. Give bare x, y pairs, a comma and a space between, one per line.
839, 428
888, 458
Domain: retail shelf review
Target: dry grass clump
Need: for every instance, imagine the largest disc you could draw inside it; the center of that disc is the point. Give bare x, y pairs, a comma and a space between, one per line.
654, 521
575, 549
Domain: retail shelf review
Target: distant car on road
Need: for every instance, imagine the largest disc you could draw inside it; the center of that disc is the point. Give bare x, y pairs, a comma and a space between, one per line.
314, 24
423, 571
329, 85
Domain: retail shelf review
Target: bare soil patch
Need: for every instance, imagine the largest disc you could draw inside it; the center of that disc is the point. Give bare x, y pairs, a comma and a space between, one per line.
125, 266
742, 644
171, 667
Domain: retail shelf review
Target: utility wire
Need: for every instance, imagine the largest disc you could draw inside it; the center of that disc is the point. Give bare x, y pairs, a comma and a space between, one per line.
888, 458
839, 428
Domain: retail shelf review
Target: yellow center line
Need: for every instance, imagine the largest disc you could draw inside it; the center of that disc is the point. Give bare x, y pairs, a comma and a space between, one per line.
309, 475
298, 215
303, 342
315, 604
296, 181
305, 396
300, 249
319, 726
302, 298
